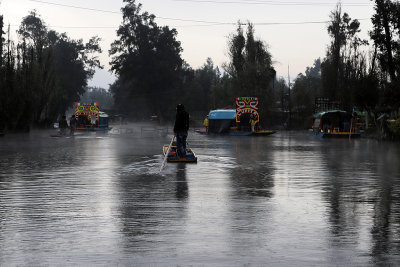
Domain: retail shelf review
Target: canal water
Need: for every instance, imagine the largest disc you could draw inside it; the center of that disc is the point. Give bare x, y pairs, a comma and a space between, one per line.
282, 200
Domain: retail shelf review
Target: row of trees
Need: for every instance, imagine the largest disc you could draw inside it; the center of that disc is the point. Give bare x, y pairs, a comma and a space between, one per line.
351, 73
45, 72
152, 77
42, 74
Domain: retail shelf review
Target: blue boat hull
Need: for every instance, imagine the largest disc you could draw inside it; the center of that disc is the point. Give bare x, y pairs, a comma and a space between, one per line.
190, 157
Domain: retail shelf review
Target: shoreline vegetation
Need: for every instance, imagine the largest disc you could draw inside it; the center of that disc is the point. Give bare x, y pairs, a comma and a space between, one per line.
44, 72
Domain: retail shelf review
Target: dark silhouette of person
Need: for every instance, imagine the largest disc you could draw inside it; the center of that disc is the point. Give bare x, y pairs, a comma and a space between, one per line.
72, 124
63, 125
181, 128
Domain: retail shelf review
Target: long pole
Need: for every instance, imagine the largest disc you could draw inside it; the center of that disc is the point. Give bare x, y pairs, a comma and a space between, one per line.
351, 128
351, 124
166, 154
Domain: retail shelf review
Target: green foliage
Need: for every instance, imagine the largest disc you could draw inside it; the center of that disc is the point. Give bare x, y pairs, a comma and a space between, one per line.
1, 40
250, 64
147, 61
199, 86
2, 74
306, 88
344, 69
152, 77
250, 68
385, 34
32, 29
97, 94
386, 37
43, 74
222, 94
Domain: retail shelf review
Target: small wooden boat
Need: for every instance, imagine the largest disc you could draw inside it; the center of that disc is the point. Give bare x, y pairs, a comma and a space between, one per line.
90, 118
242, 121
240, 133
334, 124
173, 156
246, 133
263, 133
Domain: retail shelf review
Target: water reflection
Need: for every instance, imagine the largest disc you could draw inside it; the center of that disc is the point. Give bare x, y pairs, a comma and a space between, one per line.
151, 205
182, 191
280, 200
359, 191
253, 174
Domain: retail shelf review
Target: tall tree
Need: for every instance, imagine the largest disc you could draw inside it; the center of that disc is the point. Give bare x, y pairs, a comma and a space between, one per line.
222, 94
206, 77
43, 75
1, 40
35, 72
306, 88
250, 67
34, 32
386, 37
147, 61
2, 86
384, 21
56, 68
342, 57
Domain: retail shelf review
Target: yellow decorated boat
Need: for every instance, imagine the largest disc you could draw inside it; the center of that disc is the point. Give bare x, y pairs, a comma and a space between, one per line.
334, 123
90, 118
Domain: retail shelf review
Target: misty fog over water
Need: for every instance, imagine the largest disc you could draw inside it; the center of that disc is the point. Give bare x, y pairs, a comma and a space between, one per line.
281, 200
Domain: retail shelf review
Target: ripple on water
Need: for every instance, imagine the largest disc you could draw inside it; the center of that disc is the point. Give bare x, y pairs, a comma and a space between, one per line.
283, 200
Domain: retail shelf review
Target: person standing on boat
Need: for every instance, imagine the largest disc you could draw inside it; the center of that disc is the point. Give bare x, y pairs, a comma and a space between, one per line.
72, 124
181, 128
206, 123
253, 123
63, 125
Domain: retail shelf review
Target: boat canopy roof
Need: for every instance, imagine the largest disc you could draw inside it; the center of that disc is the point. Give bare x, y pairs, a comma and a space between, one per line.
103, 114
331, 113
222, 114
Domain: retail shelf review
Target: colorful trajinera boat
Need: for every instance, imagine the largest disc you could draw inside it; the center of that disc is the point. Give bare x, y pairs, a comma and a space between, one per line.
242, 121
334, 123
90, 118
173, 156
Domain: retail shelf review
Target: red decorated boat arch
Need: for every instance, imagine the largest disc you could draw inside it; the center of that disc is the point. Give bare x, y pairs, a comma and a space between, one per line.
247, 105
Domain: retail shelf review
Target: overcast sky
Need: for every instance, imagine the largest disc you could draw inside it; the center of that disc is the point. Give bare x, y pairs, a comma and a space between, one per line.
295, 30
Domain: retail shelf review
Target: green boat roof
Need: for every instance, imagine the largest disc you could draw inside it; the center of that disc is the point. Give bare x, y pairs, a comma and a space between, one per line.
322, 113
103, 114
